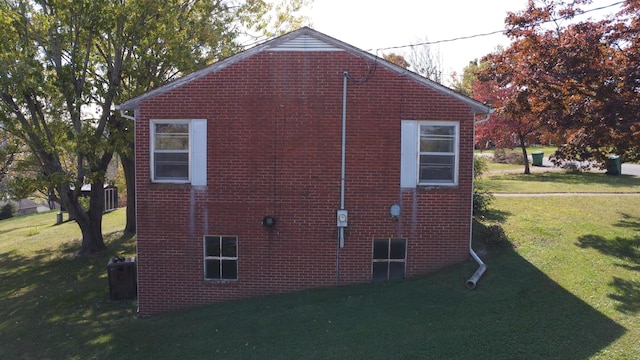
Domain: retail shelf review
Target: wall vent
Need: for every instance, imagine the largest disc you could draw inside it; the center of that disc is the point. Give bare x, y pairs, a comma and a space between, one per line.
305, 43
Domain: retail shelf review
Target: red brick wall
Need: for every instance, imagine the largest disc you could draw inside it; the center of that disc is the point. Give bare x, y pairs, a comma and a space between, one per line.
274, 148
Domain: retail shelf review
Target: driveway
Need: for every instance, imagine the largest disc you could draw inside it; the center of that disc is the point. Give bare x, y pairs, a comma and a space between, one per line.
625, 169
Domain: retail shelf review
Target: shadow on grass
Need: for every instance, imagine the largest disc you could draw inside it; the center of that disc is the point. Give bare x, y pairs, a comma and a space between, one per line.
629, 221
58, 307
494, 215
627, 294
516, 312
627, 251
53, 303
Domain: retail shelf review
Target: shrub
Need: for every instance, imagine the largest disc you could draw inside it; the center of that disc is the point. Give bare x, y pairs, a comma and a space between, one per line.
481, 201
7, 211
571, 167
493, 235
481, 198
480, 166
507, 156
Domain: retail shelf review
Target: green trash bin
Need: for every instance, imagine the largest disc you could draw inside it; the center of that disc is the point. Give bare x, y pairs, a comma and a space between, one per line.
614, 166
537, 158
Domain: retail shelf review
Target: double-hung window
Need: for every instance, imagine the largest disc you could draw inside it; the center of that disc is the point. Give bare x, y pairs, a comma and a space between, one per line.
430, 153
171, 151
220, 257
178, 151
438, 153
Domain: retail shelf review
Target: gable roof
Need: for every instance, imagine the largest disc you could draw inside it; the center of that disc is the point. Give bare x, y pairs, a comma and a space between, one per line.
303, 39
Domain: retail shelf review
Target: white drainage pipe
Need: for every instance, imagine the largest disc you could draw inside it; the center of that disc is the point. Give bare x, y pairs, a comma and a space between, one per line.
482, 267
471, 283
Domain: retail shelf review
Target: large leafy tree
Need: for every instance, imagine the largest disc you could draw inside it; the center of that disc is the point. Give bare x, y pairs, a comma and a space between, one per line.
501, 131
49, 66
515, 123
620, 97
8, 150
65, 63
464, 83
577, 79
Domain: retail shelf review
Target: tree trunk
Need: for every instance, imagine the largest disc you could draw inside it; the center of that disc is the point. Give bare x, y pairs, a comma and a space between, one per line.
92, 240
90, 221
128, 166
523, 145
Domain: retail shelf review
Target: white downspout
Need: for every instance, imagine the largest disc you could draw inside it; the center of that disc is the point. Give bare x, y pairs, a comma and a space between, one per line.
482, 267
476, 122
125, 115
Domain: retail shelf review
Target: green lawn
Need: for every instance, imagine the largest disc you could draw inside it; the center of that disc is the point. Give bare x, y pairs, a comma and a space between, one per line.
590, 247
548, 150
559, 181
500, 168
567, 286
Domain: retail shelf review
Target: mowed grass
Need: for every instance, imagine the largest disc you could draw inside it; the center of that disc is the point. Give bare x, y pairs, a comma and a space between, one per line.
566, 286
547, 150
590, 247
559, 181
54, 305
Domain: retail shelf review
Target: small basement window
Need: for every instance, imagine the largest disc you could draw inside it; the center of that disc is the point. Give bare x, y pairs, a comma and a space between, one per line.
220, 257
389, 259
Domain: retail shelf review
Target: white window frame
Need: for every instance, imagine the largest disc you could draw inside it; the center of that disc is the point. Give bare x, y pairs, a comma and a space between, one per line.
220, 258
410, 154
197, 151
455, 153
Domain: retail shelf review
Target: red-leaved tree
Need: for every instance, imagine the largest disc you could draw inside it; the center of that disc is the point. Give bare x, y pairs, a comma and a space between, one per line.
515, 122
576, 80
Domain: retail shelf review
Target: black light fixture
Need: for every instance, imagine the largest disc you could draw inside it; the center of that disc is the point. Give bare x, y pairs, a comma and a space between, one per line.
268, 221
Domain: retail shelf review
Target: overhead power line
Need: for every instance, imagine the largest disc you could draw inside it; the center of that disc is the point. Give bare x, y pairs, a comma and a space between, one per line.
491, 32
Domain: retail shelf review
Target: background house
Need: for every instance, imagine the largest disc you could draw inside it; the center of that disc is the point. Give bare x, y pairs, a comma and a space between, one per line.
26, 206
240, 184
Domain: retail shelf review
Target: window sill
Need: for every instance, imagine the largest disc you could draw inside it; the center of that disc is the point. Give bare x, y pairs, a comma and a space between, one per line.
436, 185
221, 281
169, 185
153, 181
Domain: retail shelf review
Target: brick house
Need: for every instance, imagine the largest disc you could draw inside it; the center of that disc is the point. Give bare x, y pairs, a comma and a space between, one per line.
303, 162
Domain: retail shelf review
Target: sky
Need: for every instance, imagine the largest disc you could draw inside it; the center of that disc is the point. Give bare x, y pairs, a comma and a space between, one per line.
376, 24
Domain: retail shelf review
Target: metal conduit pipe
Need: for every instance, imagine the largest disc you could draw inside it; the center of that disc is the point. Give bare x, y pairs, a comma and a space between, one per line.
345, 77
341, 213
